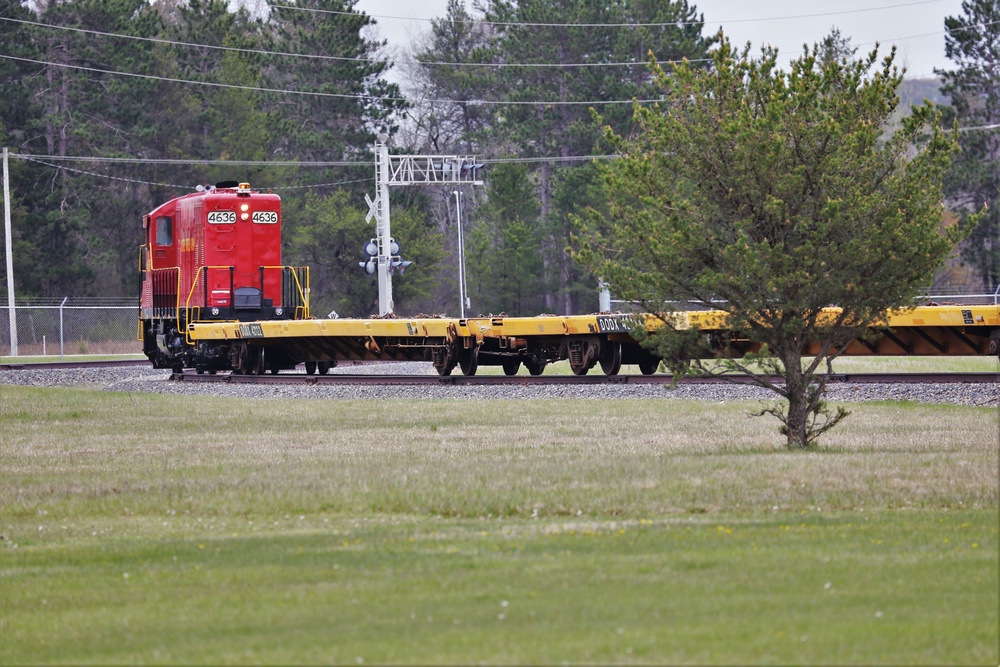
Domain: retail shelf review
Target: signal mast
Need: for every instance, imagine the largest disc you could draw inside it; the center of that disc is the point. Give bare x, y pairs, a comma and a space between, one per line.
384, 253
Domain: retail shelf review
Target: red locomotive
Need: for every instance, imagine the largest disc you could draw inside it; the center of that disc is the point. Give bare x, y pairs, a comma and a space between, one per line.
215, 255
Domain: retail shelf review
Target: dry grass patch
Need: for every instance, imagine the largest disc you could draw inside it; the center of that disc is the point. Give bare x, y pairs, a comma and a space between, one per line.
92, 452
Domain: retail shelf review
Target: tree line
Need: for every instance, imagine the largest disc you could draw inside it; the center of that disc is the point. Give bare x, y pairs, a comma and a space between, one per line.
157, 97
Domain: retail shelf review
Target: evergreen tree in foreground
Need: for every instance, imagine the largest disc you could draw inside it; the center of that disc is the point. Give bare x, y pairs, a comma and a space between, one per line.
771, 195
973, 43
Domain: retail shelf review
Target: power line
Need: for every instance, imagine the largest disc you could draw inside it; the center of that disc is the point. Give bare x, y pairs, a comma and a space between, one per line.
90, 173
286, 54
160, 40
278, 163
521, 24
503, 65
384, 98
240, 163
202, 83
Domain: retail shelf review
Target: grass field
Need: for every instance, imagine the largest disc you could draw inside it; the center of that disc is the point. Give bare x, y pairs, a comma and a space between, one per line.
165, 529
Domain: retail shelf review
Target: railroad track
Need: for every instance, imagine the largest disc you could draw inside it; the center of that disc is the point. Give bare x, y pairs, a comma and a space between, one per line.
597, 379
54, 365
528, 380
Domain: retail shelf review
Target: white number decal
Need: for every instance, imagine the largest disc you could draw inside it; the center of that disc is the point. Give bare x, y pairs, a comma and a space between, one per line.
265, 217
221, 217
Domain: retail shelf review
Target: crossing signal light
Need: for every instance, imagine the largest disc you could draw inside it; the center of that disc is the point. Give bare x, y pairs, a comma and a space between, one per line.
397, 263
370, 264
471, 169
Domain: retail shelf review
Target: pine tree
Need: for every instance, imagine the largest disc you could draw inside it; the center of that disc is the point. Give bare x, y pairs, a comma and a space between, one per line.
973, 44
770, 195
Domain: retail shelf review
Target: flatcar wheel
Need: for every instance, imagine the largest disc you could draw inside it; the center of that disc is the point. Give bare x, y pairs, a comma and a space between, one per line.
323, 367
469, 361
649, 366
511, 366
445, 360
237, 359
534, 367
310, 368
611, 357
260, 363
447, 367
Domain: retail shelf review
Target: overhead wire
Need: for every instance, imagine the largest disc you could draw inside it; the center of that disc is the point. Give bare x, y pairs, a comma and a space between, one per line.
618, 25
288, 54
388, 98
311, 93
636, 63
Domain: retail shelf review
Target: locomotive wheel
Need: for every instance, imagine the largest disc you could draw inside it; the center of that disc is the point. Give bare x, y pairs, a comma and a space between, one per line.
469, 361
611, 357
260, 360
511, 366
323, 367
534, 367
649, 366
310, 368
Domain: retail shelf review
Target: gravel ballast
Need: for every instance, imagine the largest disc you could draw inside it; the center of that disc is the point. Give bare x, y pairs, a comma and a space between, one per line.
145, 379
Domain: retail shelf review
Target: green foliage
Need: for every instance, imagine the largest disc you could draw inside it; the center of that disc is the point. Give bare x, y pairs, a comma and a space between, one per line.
973, 44
534, 55
504, 251
330, 237
457, 38
79, 226
772, 194
346, 101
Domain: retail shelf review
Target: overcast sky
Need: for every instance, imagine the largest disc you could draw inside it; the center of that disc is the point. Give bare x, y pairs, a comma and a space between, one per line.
915, 27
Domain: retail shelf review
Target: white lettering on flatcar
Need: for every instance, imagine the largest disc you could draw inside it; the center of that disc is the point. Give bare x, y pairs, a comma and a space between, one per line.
265, 217
252, 330
614, 324
221, 217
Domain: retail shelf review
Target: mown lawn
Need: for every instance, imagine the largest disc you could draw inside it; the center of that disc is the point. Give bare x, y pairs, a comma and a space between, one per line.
145, 528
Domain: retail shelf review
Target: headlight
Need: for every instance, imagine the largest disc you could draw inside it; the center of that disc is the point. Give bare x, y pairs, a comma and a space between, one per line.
278, 311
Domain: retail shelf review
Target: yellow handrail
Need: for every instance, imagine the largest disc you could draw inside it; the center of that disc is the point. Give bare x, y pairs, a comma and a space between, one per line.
188, 308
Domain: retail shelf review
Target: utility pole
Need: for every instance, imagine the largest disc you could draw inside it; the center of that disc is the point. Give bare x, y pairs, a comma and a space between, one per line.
396, 170
463, 296
10, 255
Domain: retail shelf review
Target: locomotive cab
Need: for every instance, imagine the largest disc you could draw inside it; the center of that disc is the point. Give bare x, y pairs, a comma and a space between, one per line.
214, 255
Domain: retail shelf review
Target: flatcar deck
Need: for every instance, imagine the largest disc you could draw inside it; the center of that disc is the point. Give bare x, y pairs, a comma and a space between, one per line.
584, 340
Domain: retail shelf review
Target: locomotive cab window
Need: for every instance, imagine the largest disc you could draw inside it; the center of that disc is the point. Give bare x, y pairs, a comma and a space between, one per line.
164, 230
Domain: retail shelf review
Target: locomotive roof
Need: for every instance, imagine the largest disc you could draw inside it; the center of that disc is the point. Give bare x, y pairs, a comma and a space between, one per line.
213, 192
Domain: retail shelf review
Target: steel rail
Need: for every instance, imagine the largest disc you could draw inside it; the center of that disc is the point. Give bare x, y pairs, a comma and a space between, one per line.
56, 365
597, 379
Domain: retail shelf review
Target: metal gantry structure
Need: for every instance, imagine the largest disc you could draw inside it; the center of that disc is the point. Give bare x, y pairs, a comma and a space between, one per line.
400, 170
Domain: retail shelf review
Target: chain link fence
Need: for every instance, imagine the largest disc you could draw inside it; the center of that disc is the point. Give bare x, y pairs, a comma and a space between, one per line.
67, 327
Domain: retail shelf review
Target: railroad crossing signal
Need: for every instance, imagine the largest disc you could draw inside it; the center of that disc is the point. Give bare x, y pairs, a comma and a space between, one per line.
405, 170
